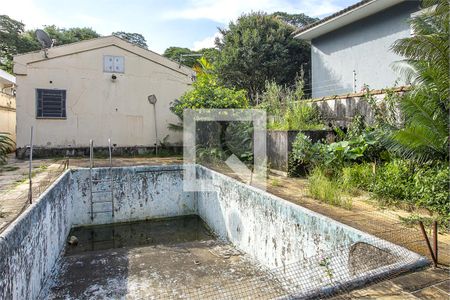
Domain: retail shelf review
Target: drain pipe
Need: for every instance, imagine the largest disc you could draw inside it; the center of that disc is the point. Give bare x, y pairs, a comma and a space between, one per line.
30, 166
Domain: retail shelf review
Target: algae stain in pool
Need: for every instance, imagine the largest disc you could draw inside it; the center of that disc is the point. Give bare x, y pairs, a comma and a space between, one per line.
166, 231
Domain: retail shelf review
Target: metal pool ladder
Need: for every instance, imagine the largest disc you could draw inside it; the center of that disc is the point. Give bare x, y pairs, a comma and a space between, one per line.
92, 181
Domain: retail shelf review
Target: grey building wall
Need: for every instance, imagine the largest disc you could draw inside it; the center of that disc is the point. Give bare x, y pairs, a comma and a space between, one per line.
363, 46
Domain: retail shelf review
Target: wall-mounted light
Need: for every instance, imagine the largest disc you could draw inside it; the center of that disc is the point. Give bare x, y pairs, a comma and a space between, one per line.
113, 77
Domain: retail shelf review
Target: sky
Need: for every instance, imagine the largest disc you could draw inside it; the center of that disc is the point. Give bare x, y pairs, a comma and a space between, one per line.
184, 23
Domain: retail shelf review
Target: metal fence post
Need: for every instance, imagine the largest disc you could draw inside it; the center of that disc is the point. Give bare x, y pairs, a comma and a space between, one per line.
30, 167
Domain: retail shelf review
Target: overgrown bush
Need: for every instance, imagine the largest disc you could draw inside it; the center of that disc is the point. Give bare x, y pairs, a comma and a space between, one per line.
417, 185
302, 152
207, 92
335, 156
393, 184
358, 177
239, 140
431, 188
286, 109
298, 116
305, 155
210, 155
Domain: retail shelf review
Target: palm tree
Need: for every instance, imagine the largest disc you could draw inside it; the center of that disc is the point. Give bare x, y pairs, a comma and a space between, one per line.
426, 66
6, 146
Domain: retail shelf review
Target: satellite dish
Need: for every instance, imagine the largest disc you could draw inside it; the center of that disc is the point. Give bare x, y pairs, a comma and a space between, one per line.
152, 99
44, 39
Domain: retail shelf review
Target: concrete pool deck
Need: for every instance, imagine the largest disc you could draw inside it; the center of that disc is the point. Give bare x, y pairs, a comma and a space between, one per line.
433, 285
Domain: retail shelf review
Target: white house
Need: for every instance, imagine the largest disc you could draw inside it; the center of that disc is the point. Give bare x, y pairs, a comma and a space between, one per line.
7, 104
97, 89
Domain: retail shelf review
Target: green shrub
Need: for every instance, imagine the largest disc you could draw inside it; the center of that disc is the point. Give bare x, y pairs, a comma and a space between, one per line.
239, 140
392, 183
210, 155
207, 92
297, 116
304, 155
430, 189
332, 158
326, 190
302, 148
358, 176
425, 186
287, 110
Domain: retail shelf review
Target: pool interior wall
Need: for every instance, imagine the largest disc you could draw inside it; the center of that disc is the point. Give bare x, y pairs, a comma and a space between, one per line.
272, 231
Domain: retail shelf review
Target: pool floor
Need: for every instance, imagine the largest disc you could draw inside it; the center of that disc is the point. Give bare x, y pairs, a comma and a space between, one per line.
171, 259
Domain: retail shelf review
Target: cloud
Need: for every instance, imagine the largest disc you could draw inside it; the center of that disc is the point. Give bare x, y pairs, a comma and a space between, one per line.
223, 11
207, 42
27, 12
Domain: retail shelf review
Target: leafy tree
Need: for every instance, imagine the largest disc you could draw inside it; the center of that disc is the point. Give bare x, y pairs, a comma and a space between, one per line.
259, 48
297, 20
13, 41
426, 108
207, 92
175, 53
64, 36
134, 38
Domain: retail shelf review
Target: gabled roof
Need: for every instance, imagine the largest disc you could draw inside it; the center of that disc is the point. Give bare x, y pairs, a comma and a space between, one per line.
344, 17
21, 61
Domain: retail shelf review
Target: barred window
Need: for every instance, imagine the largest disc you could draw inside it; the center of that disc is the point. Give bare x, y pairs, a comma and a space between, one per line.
50, 103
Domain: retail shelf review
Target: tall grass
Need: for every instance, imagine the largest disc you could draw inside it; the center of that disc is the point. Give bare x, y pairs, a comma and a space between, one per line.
327, 190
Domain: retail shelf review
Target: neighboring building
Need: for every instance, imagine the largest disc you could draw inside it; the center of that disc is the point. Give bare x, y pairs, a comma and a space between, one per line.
97, 89
7, 104
351, 48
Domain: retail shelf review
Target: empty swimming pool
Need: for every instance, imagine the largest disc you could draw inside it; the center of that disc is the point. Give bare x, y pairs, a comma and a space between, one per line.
267, 247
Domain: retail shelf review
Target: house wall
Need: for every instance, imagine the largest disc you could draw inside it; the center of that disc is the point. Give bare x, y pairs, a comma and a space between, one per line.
7, 113
98, 107
363, 46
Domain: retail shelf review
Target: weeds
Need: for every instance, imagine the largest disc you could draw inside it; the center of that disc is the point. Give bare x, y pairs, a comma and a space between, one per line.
8, 168
275, 182
326, 190
326, 264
